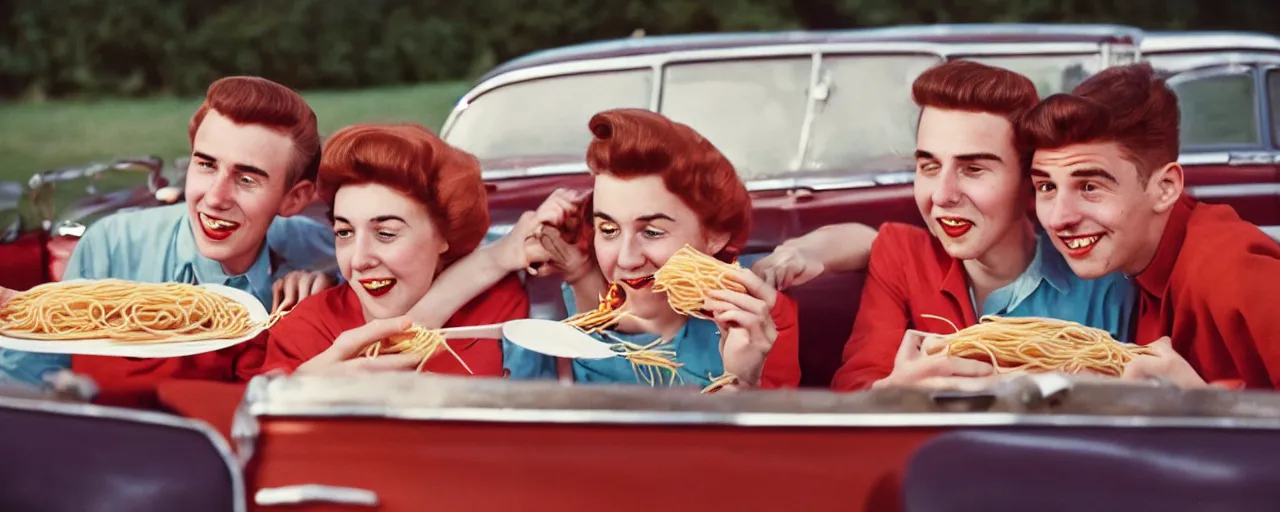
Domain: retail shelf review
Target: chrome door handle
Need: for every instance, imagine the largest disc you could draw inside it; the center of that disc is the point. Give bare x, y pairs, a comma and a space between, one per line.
313, 493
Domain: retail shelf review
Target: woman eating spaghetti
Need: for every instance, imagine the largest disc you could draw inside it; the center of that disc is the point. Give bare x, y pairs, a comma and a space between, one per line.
662, 190
405, 206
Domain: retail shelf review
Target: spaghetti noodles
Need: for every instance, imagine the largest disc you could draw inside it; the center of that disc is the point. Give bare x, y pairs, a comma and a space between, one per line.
606, 315
1013, 344
647, 362
415, 340
126, 311
719, 383
687, 277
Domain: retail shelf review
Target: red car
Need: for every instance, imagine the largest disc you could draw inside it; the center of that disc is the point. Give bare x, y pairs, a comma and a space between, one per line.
822, 127
819, 124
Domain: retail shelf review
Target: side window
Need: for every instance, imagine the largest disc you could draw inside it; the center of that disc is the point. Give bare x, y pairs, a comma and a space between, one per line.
1273, 92
1217, 109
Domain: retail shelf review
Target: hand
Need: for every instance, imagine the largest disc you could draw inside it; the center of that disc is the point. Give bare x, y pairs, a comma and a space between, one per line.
289, 290
345, 355
915, 367
1166, 364
547, 241
788, 266
6, 294
746, 327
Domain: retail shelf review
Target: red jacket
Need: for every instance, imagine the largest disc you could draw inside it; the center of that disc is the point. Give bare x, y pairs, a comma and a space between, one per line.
1214, 289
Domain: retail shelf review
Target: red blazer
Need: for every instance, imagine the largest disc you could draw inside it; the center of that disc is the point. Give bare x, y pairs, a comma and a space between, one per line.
782, 366
1213, 288
909, 275
312, 326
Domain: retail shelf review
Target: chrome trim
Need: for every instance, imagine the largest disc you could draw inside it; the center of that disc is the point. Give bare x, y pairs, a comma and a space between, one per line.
1168, 42
1018, 401
1245, 157
244, 426
764, 419
817, 78
140, 416
315, 493
1215, 158
1235, 190
1271, 231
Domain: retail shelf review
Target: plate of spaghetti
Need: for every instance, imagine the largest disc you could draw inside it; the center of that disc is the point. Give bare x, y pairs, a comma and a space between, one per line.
113, 317
1033, 344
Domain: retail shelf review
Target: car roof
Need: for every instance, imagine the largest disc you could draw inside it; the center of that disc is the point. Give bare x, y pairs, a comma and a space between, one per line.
944, 33
1201, 41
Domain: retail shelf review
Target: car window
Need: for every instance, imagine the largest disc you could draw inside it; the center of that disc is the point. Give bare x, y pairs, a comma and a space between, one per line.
751, 110
1273, 93
1052, 74
1217, 109
867, 121
545, 117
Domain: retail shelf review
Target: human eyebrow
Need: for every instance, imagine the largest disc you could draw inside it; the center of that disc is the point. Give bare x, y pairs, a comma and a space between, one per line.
1094, 172
655, 216
974, 157
387, 218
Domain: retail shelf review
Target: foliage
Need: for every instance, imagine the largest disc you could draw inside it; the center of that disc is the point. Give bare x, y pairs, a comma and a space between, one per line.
145, 47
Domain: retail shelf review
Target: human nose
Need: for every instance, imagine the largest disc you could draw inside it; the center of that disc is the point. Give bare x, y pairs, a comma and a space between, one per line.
947, 192
631, 255
1058, 213
219, 195
364, 257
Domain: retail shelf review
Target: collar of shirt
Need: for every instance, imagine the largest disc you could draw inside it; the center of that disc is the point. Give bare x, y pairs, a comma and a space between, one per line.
191, 264
1155, 278
1046, 266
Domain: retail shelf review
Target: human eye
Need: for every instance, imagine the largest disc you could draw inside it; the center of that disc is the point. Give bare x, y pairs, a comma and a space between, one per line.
653, 233
247, 180
342, 233
608, 229
1044, 187
386, 235
927, 167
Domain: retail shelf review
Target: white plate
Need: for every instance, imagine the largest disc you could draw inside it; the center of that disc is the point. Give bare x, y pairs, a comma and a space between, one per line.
105, 347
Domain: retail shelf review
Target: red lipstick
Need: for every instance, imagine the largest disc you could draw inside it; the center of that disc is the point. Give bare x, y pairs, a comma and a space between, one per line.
377, 287
955, 227
217, 229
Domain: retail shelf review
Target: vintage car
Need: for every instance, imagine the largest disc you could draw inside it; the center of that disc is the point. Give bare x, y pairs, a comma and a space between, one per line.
819, 124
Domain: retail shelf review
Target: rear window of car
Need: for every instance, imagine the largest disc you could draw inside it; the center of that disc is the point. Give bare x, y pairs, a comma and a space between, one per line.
1218, 110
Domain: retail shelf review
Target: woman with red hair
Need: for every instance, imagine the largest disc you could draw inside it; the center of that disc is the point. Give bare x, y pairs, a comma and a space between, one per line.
659, 186
405, 207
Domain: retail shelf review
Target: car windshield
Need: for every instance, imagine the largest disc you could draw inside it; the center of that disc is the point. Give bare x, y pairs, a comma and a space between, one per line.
753, 110
545, 117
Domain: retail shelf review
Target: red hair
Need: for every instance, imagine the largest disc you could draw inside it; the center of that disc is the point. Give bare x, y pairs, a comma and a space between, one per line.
1129, 105
253, 100
410, 159
630, 143
970, 86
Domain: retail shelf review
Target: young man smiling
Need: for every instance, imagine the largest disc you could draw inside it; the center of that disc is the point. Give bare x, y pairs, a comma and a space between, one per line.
255, 150
1110, 190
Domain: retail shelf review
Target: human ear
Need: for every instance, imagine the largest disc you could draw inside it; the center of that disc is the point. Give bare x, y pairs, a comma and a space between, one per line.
1165, 185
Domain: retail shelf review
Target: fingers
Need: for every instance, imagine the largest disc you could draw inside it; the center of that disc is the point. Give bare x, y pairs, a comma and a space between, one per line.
277, 291
355, 340
290, 291
387, 363
910, 349
962, 367
320, 283
933, 343
723, 300
757, 287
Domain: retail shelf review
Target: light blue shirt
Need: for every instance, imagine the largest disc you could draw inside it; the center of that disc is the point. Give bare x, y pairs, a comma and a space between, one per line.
1048, 288
696, 347
157, 245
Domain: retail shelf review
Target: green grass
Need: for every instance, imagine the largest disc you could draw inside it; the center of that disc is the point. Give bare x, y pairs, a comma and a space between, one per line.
58, 134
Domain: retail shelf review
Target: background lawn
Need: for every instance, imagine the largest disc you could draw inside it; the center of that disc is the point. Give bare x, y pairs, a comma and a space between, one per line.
58, 134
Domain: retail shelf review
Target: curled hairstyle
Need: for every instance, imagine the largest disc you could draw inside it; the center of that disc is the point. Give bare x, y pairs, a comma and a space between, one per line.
254, 100
415, 162
970, 86
630, 143
1129, 105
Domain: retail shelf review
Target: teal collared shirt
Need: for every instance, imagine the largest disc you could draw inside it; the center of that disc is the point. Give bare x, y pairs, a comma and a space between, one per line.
157, 245
1048, 288
696, 348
